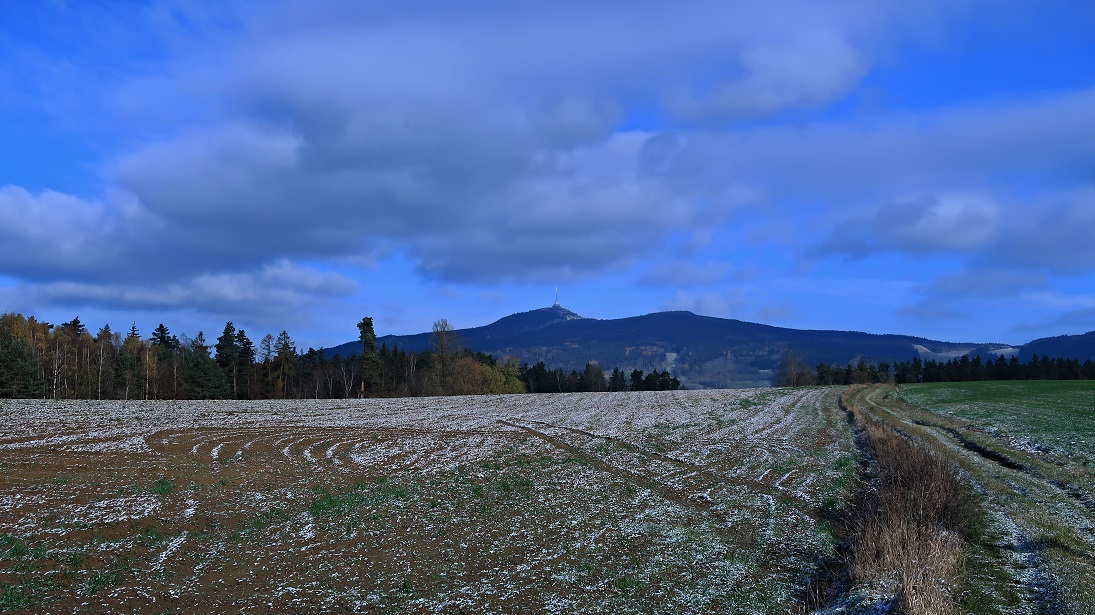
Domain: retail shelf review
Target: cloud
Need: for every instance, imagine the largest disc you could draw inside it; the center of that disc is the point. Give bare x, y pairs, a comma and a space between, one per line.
923, 226
815, 69
1076, 321
947, 297
498, 143
573, 121
1054, 233
931, 311
999, 241
685, 273
48, 234
270, 294
725, 304
987, 283
935, 224
472, 139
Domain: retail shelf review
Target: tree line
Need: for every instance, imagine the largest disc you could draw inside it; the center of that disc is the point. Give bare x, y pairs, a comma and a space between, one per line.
67, 361
540, 379
960, 369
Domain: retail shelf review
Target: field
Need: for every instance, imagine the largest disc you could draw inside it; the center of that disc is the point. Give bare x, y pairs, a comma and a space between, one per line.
1050, 416
1027, 448
702, 501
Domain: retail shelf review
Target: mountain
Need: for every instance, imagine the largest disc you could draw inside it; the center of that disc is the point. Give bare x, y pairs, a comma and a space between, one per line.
701, 351
1080, 347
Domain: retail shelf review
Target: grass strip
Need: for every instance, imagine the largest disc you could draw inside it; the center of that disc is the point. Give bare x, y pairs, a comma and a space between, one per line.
909, 540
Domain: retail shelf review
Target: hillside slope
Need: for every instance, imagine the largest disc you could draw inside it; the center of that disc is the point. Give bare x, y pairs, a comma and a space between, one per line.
1080, 347
702, 351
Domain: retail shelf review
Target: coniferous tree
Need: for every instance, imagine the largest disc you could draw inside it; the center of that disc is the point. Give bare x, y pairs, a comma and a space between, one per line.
245, 366
19, 376
266, 361
166, 362
312, 368
227, 354
285, 354
617, 382
538, 380
127, 366
204, 378
75, 326
370, 360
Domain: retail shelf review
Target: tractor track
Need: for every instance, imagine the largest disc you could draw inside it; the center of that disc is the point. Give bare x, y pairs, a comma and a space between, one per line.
1016, 497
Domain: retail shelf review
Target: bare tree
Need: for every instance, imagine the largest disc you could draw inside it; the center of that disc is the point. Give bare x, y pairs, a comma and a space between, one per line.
446, 344
792, 372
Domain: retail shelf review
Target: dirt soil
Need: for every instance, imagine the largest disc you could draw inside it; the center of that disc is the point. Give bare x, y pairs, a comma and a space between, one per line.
631, 502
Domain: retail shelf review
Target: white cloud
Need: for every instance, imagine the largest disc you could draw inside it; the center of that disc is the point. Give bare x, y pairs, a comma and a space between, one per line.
1074, 321
949, 223
484, 146
50, 233
272, 292
816, 68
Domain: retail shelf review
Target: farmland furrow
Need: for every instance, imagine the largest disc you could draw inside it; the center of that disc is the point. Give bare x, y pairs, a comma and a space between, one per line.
599, 503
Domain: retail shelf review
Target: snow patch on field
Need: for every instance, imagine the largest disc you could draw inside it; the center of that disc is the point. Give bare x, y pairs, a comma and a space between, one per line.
124, 508
604, 501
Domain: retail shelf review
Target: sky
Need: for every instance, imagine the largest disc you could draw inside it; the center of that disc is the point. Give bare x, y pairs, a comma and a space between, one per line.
922, 168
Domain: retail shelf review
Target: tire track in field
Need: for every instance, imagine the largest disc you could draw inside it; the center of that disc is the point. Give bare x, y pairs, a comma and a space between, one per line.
690, 468
1068, 489
666, 491
786, 422
1004, 485
619, 441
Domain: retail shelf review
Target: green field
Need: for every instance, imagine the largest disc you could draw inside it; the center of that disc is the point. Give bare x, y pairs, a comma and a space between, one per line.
1050, 416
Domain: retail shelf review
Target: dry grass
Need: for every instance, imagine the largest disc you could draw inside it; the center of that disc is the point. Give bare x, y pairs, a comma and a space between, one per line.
919, 563
908, 541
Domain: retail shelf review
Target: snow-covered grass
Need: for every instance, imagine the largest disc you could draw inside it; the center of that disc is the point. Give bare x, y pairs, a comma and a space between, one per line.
701, 501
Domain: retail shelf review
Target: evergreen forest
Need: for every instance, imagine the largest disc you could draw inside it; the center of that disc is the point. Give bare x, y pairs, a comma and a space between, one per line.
960, 369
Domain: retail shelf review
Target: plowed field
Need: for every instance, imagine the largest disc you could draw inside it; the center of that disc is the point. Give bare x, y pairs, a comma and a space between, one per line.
707, 501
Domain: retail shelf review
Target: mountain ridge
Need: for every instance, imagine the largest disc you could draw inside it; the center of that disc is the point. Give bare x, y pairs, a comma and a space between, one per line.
703, 351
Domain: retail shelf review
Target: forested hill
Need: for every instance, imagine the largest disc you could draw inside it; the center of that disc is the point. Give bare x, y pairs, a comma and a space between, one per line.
1079, 347
700, 350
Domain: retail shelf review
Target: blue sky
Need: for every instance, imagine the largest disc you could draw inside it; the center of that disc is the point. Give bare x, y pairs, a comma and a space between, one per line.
921, 168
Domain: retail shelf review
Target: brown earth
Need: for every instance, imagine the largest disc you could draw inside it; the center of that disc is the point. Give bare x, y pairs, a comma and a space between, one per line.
654, 502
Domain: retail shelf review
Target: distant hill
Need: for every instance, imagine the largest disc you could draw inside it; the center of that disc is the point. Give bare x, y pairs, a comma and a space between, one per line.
701, 351
1080, 347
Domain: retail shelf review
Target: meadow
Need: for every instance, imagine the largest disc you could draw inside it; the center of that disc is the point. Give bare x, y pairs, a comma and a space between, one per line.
1050, 416
670, 502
